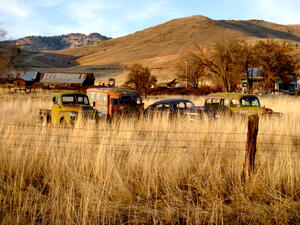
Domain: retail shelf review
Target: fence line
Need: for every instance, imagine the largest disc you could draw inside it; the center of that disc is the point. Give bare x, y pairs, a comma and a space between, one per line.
140, 151
134, 144
144, 139
122, 130
128, 139
145, 131
203, 152
112, 144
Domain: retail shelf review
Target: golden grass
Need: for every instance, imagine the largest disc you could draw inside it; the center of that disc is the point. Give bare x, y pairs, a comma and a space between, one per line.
147, 170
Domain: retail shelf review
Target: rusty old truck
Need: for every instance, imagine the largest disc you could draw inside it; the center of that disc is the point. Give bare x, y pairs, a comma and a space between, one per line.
112, 102
67, 107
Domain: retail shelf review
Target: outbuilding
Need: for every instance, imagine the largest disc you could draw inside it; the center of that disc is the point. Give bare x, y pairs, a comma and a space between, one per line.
67, 80
27, 79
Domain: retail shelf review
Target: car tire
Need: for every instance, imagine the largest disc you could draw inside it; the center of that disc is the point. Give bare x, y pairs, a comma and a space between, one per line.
63, 122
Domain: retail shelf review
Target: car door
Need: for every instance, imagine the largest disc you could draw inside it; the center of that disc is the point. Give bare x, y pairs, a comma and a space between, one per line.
55, 110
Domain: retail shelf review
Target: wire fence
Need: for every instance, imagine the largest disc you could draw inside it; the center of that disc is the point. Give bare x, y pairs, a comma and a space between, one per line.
166, 142
139, 131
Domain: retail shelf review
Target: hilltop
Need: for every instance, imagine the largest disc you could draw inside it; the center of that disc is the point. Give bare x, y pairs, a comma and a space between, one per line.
59, 42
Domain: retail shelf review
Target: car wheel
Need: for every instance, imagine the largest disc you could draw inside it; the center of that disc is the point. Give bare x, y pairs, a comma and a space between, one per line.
63, 122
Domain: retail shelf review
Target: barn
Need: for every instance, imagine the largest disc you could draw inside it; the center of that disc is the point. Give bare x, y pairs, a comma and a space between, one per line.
67, 80
27, 79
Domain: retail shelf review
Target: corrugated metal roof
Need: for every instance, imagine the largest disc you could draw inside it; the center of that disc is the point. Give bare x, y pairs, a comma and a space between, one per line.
72, 78
25, 75
28, 75
118, 91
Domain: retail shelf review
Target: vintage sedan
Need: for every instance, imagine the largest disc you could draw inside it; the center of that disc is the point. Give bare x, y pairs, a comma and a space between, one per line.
176, 107
237, 104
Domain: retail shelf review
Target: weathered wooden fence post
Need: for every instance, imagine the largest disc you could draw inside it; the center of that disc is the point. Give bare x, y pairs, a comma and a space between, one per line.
249, 163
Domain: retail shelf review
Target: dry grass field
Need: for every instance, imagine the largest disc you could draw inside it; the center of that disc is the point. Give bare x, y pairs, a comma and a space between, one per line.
155, 171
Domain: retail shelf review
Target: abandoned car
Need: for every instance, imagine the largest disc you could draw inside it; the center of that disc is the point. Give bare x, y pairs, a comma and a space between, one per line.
175, 107
112, 102
236, 103
67, 107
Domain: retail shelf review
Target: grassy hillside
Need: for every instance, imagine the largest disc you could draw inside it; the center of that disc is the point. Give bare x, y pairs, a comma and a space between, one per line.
159, 47
177, 35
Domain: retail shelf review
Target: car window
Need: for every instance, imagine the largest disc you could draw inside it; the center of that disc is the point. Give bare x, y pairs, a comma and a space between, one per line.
234, 103
166, 107
208, 101
82, 100
178, 106
158, 108
250, 101
128, 100
215, 101
226, 102
181, 105
114, 101
189, 105
68, 99
57, 100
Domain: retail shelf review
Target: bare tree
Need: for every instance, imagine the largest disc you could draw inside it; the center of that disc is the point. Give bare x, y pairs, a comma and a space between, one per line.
276, 61
191, 70
140, 77
8, 54
229, 60
246, 60
220, 65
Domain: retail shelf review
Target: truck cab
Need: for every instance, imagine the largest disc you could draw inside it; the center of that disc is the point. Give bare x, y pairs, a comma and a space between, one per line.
111, 102
67, 107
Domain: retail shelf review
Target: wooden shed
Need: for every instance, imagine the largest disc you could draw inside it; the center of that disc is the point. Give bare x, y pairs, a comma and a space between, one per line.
27, 79
67, 80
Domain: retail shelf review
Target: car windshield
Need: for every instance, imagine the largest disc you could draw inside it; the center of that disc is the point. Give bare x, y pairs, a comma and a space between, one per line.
75, 99
250, 101
129, 100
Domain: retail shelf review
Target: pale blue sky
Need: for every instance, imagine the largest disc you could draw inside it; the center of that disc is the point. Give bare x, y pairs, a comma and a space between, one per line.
115, 18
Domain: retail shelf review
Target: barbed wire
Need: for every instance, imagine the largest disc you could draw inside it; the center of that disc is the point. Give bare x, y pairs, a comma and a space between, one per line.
134, 147
132, 141
134, 144
144, 139
129, 139
142, 131
112, 150
122, 130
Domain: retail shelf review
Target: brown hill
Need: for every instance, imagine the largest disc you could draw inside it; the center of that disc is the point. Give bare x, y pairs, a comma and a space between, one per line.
160, 46
59, 42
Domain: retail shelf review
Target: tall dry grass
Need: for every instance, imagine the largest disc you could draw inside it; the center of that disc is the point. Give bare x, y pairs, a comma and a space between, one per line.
147, 170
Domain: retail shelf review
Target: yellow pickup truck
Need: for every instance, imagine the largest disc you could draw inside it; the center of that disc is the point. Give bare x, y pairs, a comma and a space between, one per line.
67, 107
